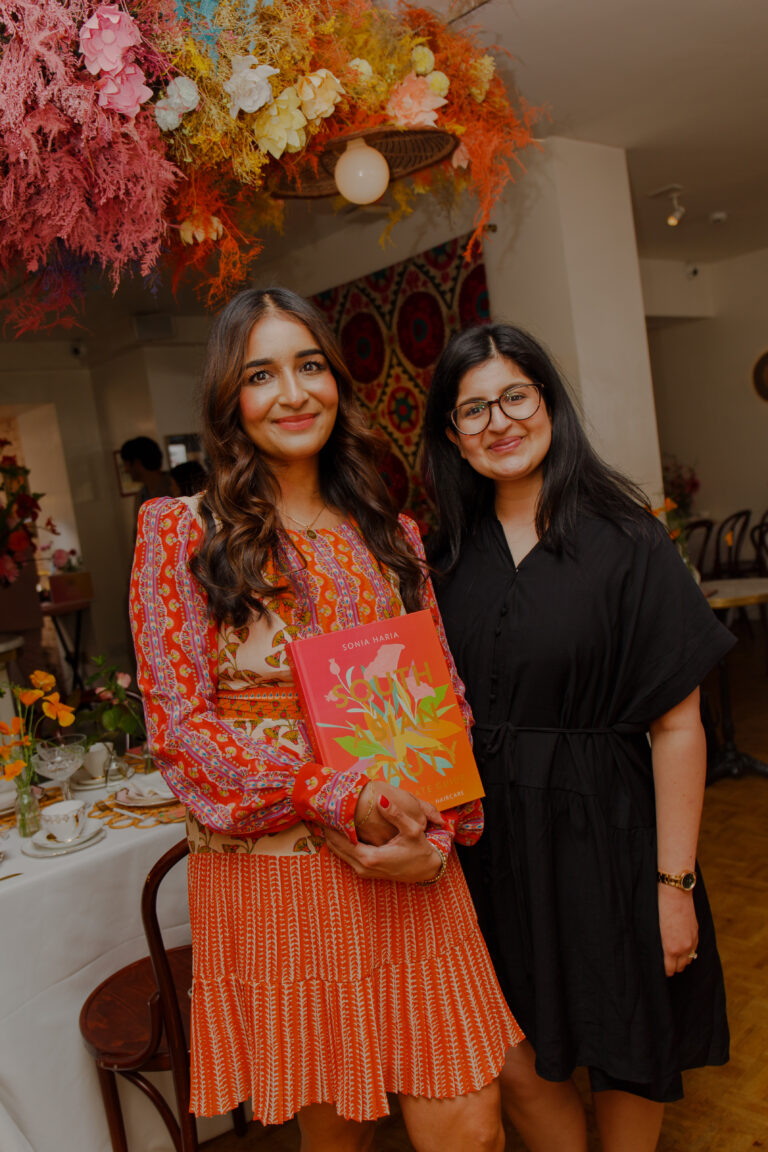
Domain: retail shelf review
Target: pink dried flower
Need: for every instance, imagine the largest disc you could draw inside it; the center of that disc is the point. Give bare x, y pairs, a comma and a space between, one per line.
413, 104
106, 37
123, 91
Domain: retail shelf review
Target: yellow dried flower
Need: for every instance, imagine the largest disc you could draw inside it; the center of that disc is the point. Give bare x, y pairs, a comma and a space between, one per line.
438, 83
280, 127
482, 73
319, 94
362, 68
423, 60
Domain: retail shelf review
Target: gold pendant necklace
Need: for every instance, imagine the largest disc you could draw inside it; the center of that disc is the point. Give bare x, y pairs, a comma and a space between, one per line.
307, 529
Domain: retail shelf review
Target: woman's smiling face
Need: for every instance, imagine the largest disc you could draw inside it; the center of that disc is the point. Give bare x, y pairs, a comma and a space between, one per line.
508, 449
289, 398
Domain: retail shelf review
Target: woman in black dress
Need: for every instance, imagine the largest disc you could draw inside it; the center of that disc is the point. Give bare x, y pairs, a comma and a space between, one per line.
582, 641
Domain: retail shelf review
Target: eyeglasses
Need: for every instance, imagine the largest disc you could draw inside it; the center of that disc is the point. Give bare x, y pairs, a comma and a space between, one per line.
519, 403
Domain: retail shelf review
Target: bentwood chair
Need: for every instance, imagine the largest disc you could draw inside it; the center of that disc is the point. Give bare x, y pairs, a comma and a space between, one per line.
137, 1021
697, 537
729, 539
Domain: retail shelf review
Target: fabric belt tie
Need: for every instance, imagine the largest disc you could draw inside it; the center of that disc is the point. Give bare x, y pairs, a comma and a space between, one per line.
499, 732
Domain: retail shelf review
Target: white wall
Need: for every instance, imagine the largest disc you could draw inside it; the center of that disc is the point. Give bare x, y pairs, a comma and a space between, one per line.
709, 413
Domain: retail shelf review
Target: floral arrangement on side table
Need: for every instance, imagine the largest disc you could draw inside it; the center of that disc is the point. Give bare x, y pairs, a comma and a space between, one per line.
19, 511
17, 750
159, 129
118, 710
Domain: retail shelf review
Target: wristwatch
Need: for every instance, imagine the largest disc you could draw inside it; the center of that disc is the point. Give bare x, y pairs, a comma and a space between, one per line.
684, 880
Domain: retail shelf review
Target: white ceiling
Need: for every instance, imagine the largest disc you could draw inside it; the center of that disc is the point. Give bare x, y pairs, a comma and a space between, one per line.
682, 85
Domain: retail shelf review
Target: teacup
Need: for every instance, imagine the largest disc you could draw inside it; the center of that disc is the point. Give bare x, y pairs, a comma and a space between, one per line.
97, 759
65, 820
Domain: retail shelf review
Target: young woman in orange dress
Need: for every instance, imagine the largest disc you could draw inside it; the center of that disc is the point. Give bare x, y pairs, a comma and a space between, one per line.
317, 989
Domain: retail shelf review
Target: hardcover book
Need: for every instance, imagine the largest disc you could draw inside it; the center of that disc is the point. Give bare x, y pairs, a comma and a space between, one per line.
378, 698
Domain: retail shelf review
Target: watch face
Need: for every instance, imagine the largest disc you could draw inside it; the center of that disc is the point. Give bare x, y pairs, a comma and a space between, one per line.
688, 880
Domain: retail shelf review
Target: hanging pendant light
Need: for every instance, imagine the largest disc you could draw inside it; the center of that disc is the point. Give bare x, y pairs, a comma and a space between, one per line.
361, 173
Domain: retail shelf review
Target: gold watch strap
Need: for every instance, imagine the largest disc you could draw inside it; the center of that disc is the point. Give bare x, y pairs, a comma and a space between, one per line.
686, 881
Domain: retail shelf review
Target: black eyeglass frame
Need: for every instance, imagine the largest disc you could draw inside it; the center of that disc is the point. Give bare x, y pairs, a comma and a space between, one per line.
452, 415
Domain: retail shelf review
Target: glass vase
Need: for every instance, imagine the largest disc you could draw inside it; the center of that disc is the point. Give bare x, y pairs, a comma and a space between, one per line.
27, 811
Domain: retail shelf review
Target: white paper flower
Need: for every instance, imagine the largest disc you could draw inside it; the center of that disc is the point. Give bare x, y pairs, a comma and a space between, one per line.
168, 116
319, 94
362, 67
423, 60
248, 87
280, 127
183, 93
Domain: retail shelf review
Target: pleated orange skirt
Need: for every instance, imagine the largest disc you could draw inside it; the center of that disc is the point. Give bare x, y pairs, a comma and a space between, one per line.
312, 985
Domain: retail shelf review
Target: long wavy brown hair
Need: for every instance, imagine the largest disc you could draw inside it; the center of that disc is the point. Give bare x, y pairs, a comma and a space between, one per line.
243, 536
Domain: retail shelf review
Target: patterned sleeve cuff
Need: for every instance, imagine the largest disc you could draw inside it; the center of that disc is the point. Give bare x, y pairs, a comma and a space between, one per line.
328, 798
465, 822
441, 838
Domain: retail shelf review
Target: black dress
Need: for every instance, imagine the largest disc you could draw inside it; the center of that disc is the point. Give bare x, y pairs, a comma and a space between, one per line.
566, 660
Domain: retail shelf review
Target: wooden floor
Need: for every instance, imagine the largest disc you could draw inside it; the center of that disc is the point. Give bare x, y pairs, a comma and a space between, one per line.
725, 1109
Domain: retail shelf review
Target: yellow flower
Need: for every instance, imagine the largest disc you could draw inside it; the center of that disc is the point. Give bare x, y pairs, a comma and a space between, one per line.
280, 127
439, 83
29, 695
362, 68
423, 61
43, 680
15, 768
55, 710
482, 71
319, 94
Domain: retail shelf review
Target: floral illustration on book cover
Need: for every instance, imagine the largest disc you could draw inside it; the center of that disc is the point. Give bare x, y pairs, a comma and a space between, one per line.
379, 699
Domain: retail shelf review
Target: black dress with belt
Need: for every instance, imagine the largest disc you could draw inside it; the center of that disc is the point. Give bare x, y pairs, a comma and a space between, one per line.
566, 660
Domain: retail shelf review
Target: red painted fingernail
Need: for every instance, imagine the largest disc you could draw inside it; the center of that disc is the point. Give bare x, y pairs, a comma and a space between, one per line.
384, 801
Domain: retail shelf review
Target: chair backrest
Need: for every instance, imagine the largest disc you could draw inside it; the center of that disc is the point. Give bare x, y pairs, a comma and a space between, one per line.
169, 1005
728, 541
759, 538
697, 537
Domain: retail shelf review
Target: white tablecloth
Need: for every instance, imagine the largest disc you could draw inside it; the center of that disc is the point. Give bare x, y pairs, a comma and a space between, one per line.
65, 925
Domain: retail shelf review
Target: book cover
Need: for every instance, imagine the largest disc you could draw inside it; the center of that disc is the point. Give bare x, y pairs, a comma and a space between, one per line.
379, 698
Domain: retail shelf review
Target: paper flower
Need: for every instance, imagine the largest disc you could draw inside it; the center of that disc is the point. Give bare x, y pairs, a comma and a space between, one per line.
123, 91
319, 94
482, 71
362, 68
438, 83
199, 228
460, 157
280, 127
413, 104
106, 37
423, 60
248, 87
181, 96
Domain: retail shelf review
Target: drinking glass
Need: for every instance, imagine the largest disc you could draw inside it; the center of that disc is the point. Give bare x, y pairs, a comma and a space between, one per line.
60, 757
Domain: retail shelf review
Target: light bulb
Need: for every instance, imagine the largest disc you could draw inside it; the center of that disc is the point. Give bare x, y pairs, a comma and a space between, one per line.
361, 173
677, 213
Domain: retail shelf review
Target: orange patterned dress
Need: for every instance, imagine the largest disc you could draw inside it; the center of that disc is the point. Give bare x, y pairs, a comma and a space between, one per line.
311, 984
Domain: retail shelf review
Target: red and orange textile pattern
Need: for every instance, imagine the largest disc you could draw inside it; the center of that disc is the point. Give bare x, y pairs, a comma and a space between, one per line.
393, 326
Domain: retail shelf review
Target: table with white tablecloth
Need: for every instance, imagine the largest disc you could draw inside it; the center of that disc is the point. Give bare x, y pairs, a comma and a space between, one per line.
65, 925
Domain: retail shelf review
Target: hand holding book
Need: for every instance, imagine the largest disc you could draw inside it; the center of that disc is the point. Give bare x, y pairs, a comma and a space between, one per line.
408, 857
373, 825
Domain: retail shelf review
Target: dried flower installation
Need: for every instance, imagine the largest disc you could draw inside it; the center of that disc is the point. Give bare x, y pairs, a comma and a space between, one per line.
151, 133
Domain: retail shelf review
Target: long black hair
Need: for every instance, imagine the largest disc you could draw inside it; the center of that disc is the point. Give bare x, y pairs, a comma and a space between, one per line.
575, 479
238, 505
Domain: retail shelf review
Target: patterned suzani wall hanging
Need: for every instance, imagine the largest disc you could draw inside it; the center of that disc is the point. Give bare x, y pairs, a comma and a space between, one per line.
393, 326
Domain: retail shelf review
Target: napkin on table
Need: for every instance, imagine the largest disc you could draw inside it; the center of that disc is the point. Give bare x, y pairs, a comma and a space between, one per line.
150, 786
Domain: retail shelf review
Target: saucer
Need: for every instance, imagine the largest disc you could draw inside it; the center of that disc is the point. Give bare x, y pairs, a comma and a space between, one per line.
29, 848
127, 799
82, 781
42, 839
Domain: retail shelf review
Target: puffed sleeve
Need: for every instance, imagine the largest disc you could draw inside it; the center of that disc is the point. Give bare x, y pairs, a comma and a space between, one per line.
231, 782
465, 822
672, 636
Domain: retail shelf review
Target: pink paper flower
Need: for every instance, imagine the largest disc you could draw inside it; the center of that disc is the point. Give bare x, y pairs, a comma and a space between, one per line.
413, 104
106, 37
123, 91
